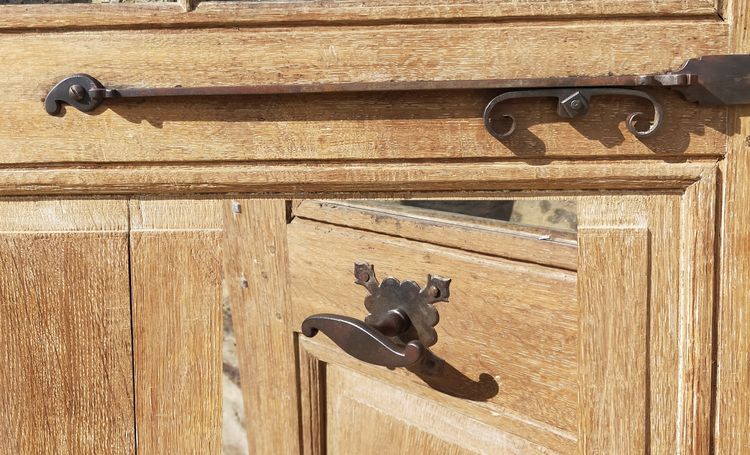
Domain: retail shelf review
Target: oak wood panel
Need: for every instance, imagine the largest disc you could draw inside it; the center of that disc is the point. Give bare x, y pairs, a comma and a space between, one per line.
338, 180
63, 215
522, 315
680, 311
77, 16
353, 126
350, 127
664, 218
697, 317
496, 238
159, 214
328, 355
256, 272
66, 385
177, 320
731, 415
388, 418
613, 302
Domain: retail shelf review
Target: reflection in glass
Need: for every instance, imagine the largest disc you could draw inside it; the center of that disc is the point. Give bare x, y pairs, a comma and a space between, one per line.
548, 214
234, 436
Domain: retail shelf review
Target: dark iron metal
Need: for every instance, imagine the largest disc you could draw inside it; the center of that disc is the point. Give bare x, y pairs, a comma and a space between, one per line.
400, 326
709, 80
572, 103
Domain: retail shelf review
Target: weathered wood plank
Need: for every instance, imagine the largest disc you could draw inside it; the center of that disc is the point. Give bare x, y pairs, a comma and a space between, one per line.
732, 418
177, 321
613, 301
336, 179
66, 385
352, 126
256, 274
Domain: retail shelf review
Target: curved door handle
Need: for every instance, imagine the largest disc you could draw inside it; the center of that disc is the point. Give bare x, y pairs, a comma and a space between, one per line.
400, 325
365, 342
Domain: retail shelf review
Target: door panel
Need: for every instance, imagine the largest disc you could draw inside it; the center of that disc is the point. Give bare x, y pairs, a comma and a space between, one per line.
392, 420
177, 324
508, 335
66, 385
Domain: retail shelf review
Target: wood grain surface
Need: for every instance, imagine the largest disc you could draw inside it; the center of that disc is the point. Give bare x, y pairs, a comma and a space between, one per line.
177, 325
357, 180
508, 333
66, 385
676, 342
79, 16
613, 305
387, 417
354, 126
732, 418
257, 281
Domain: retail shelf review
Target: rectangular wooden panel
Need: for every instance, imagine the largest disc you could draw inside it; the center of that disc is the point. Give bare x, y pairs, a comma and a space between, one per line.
257, 282
353, 126
177, 319
613, 299
388, 419
509, 330
66, 384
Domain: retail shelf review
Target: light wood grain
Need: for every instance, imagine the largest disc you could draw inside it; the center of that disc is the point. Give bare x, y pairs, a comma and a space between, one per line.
388, 418
732, 418
345, 127
177, 320
66, 385
491, 237
507, 323
664, 218
323, 12
63, 215
312, 391
256, 272
349, 127
613, 301
356, 180
677, 341
154, 213
503, 427
697, 300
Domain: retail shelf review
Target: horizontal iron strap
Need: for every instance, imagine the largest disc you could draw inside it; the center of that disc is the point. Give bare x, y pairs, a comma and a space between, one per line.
390, 86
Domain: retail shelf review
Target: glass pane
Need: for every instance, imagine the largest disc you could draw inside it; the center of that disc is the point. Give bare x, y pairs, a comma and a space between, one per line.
559, 215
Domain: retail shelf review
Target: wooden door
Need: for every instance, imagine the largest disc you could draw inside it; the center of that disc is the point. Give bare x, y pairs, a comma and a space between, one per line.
552, 344
621, 340
508, 334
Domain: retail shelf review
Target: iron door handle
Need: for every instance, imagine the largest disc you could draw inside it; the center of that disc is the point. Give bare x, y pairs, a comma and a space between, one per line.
400, 327
365, 342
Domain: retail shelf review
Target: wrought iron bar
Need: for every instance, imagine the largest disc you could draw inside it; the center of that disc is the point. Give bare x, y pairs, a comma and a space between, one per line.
708, 80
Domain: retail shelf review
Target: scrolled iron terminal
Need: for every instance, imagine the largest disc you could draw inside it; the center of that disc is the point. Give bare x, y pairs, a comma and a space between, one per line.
572, 103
